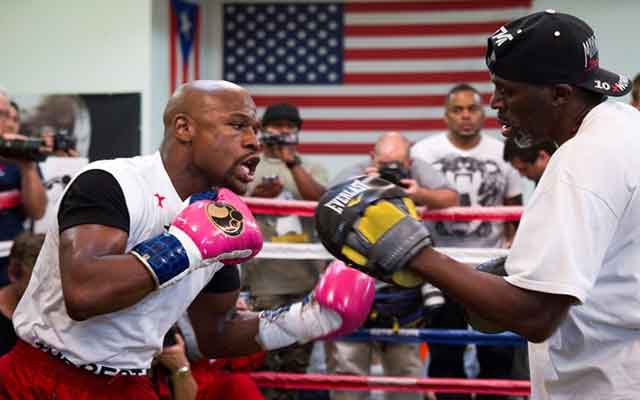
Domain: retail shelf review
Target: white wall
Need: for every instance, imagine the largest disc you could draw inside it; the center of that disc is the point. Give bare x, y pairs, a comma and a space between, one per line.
159, 68
77, 46
211, 32
616, 27
90, 46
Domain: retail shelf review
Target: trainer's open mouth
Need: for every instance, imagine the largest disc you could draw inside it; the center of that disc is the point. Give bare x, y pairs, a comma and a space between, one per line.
505, 126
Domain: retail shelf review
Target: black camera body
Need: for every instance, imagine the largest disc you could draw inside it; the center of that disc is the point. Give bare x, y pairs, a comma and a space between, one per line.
275, 139
170, 337
29, 149
393, 172
25, 149
63, 141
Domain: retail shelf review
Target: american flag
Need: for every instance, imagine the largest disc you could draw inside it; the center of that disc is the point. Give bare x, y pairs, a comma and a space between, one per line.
184, 43
357, 69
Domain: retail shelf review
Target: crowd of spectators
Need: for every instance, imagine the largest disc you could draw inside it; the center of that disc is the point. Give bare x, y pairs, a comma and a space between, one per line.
460, 167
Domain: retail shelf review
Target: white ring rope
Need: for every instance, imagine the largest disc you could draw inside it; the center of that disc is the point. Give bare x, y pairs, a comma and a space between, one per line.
315, 251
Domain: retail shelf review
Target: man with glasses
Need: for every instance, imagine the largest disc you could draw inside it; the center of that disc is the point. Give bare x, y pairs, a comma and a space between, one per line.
23, 175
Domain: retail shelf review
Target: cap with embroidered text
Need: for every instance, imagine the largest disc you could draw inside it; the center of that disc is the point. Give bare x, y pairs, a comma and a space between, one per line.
548, 47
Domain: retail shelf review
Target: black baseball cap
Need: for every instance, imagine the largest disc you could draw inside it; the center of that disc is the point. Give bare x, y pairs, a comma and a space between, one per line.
282, 112
548, 47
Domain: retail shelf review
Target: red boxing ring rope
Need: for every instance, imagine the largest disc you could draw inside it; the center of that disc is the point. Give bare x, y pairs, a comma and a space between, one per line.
10, 199
307, 208
389, 383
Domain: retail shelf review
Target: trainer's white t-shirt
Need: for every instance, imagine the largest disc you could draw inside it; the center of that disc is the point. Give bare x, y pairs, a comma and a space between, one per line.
580, 236
125, 341
481, 177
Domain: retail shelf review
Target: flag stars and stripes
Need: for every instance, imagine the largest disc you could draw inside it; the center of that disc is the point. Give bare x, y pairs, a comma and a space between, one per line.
358, 69
296, 44
184, 43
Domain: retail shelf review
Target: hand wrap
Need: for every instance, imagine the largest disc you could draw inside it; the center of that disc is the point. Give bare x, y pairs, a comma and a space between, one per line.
214, 228
338, 305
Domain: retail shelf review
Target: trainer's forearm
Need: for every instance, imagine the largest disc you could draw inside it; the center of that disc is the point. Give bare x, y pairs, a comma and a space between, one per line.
534, 315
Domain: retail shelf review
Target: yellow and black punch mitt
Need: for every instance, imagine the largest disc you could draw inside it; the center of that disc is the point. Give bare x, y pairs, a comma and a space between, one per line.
373, 226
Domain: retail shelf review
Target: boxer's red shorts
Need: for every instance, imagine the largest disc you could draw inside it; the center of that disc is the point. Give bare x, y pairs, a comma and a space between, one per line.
28, 373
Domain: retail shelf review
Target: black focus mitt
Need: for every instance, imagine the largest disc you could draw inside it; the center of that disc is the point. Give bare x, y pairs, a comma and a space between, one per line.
373, 226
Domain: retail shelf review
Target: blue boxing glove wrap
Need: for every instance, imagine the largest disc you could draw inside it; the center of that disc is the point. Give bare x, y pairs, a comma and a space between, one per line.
164, 255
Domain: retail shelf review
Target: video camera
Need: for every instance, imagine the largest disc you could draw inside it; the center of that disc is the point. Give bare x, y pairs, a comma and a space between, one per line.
26, 149
393, 172
30, 149
278, 139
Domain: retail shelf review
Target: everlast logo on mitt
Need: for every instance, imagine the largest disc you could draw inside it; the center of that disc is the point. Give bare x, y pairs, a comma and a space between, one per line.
341, 200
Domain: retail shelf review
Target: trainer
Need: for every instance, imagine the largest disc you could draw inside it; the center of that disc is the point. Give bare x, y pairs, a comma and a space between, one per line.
111, 280
573, 284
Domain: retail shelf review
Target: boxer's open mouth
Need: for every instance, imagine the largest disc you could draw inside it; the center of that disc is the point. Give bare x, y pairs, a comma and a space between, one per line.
247, 168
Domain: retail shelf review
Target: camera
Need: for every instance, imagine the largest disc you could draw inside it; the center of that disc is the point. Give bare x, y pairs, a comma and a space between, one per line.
170, 337
30, 148
62, 140
26, 149
393, 172
277, 139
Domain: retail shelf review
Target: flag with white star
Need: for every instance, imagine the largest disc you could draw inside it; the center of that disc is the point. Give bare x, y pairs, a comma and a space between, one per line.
184, 43
357, 68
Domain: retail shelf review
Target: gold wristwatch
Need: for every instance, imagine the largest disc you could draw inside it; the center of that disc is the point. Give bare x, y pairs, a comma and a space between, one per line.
182, 371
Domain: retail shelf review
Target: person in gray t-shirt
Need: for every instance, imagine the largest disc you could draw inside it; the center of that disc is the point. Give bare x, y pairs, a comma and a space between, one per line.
423, 183
426, 186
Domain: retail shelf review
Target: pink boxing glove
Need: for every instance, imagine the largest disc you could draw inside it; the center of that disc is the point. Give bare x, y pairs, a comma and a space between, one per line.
216, 227
349, 293
339, 304
236, 237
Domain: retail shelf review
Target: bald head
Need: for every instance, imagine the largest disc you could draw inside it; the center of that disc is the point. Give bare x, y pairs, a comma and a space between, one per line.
392, 146
198, 97
210, 136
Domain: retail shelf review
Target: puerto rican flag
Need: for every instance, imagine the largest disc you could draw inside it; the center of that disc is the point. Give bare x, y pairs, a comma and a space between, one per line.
357, 69
184, 43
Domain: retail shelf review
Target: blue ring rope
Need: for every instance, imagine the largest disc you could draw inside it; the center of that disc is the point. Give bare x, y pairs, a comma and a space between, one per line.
439, 336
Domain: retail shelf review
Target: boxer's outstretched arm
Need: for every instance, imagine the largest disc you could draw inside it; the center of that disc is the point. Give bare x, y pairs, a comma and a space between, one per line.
97, 277
338, 305
218, 334
534, 315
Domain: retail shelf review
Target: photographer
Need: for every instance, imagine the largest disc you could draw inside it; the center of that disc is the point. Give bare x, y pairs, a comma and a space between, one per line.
63, 144
280, 127
272, 283
174, 358
13, 122
390, 160
394, 307
21, 174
